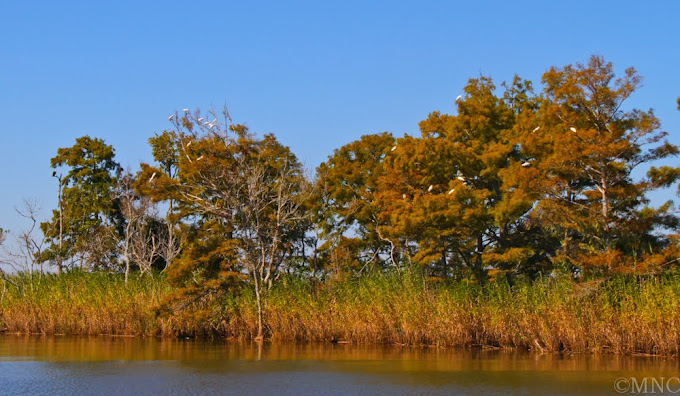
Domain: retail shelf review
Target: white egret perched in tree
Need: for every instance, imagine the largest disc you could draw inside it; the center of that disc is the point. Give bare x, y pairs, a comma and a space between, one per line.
429, 189
199, 158
536, 129
451, 191
573, 129
458, 98
526, 164
185, 110
152, 176
393, 148
170, 118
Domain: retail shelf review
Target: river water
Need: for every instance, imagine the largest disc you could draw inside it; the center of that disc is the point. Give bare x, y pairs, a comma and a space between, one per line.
120, 366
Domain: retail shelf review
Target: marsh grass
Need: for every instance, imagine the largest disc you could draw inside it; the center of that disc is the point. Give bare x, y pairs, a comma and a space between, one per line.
624, 314
80, 303
621, 315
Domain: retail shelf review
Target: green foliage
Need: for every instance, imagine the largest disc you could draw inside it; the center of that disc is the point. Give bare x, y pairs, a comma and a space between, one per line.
88, 223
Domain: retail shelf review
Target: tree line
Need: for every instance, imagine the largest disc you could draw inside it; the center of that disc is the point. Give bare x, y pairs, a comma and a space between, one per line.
516, 183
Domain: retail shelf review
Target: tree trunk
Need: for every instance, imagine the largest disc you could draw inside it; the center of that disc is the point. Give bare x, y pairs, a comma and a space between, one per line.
126, 255
605, 211
258, 299
61, 230
127, 268
479, 264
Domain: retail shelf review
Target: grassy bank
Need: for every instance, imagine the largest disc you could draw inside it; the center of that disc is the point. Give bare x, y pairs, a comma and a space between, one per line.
621, 315
79, 303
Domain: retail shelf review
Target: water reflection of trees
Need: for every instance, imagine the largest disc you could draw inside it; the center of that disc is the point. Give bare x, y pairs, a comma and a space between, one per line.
218, 354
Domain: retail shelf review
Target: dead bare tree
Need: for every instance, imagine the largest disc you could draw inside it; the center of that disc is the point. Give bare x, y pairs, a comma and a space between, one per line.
134, 208
3, 275
146, 238
145, 248
272, 212
168, 240
26, 253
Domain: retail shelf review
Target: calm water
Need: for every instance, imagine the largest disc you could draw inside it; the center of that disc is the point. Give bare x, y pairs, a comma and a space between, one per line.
77, 366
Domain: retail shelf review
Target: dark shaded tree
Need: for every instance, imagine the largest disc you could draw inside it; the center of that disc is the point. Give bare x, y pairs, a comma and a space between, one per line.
87, 227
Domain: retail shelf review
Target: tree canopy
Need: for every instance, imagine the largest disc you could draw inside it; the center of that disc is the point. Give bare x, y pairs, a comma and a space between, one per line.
512, 183
86, 224
240, 198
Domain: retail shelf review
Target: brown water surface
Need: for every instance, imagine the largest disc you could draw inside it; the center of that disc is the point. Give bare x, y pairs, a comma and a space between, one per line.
121, 366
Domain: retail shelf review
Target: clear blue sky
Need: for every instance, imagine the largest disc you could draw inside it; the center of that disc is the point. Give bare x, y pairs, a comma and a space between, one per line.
318, 74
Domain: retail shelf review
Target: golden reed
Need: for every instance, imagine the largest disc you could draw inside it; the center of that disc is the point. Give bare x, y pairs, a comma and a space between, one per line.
625, 314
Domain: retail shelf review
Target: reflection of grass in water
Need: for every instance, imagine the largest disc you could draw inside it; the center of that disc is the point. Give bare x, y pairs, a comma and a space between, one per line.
216, 355
196, 365
624, 314
198, 375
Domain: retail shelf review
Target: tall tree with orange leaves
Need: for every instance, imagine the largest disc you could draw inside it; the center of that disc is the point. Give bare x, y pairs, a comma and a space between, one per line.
585, 145
443, 196
345, 207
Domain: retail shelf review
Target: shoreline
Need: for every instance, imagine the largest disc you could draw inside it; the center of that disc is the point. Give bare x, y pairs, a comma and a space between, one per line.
267, 341
621, 316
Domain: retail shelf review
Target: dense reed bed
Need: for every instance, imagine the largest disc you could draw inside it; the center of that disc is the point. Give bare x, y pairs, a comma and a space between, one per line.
624, 314
620, 315
80, 303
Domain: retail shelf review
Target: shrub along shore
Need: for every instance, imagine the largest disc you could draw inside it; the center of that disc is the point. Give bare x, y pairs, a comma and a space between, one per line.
623, 314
